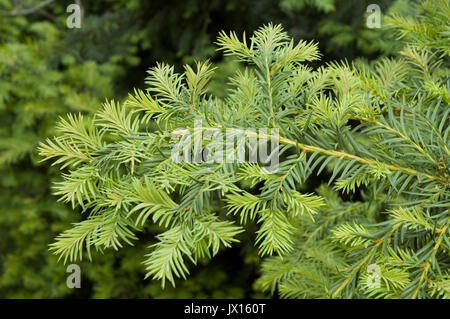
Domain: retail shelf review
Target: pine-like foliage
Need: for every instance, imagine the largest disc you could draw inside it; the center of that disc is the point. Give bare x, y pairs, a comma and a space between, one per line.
377, 134
38, 83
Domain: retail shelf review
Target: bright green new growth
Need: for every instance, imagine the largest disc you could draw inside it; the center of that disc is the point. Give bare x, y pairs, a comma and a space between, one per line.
380, 131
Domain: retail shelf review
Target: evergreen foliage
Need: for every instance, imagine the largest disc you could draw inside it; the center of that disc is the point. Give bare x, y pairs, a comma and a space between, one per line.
39, 82
48, 70
376, 134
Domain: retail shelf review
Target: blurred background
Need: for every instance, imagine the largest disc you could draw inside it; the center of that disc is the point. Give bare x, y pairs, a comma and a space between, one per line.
48, 70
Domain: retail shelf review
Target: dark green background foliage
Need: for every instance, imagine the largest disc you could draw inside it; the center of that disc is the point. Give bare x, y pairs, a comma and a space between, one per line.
48, 70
